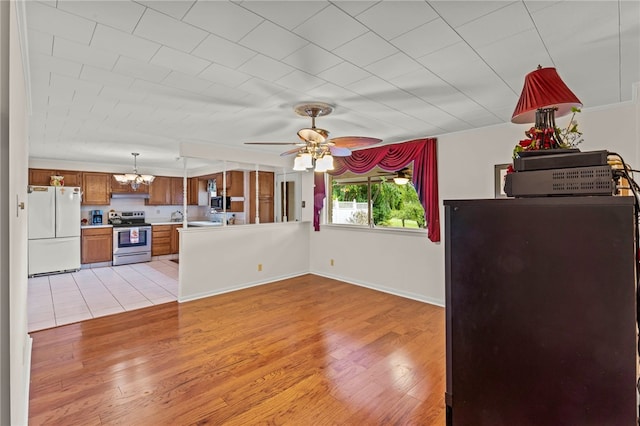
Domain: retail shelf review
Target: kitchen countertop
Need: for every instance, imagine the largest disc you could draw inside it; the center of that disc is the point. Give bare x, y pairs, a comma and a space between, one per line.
190, 222
102, 225
201, 223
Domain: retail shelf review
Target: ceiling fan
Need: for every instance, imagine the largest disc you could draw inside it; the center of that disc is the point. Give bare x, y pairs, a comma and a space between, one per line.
403, 176
315, 147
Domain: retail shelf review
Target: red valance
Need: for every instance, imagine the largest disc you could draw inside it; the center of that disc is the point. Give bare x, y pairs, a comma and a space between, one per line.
392, 158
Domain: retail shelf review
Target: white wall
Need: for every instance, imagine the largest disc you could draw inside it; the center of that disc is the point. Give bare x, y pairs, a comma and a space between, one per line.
14, 251
215, 260
413, 266
406, 264
5, 248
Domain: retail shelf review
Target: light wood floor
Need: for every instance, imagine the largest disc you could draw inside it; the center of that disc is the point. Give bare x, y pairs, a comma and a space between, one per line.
303, 351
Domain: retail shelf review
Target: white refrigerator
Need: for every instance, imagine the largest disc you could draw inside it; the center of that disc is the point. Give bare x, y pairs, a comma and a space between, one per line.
54, 229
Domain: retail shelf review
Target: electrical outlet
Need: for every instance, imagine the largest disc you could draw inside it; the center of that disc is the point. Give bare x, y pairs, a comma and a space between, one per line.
331, 262
259, 267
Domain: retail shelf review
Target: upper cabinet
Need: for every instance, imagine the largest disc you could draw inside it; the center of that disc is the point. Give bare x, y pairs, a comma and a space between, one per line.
43, 177
160, 191
168, 191
96, 188
193, 192
177, 191
234, 183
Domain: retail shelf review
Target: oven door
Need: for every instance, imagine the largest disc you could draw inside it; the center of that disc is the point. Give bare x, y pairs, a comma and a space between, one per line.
135, 239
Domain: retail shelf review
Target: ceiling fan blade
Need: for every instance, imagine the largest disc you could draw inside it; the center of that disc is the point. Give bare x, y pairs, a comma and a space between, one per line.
291, 151
275, 143
354, 141
340, 151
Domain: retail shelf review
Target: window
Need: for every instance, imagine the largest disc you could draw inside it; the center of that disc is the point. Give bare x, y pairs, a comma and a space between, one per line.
374, 199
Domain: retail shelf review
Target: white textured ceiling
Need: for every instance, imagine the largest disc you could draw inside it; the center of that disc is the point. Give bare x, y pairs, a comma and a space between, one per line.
112, 77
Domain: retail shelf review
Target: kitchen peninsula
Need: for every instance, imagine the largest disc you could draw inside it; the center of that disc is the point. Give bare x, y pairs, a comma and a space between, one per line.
161, 201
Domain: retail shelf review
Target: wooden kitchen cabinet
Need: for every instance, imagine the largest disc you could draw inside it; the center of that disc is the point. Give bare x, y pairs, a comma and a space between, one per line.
96, 245
161, 239
175, 239
168, 191
193, 190
265, 197
177, 191
165, 239
43, 177
96, 188
160, 191
234, 183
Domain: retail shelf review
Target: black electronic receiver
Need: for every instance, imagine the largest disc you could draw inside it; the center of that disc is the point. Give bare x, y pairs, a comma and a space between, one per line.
592, 180
536, 161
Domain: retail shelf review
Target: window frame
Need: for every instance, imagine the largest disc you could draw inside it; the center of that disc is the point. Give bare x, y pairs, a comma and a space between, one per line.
366, 179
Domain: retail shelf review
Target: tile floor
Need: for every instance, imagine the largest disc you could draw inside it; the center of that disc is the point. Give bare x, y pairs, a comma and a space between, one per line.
60, 299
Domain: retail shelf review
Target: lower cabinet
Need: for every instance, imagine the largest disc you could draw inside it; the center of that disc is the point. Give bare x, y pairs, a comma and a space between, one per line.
96, 245
175, 239
165, 239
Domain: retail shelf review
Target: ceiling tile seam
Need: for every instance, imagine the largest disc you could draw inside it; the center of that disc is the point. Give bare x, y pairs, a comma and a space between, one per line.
421, 65
310, 41
133, 30
267, 20
361, 12
402, 111
408, 29
96, 23
168, 16
619, 52
507, 4
271, 57
479, 57
533, 21
412, 94
254, 51
209, 32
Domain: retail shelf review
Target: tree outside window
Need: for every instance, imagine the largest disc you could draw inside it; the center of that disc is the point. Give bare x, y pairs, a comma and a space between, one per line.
374, 199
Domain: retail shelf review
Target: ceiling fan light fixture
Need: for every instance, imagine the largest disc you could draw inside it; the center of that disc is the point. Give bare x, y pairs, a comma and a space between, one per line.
298, 164
324, 163
401, 178
307, 160
313, 135
134, 179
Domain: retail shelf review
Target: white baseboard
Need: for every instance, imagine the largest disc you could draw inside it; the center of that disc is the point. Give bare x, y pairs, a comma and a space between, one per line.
239, 287
405, 294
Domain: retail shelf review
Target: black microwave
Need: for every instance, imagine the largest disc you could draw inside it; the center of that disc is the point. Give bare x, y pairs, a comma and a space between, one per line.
217, 203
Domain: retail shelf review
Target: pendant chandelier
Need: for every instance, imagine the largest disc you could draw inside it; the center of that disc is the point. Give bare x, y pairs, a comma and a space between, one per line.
134, 179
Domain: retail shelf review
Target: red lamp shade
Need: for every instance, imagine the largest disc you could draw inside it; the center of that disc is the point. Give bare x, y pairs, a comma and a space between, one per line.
543, 88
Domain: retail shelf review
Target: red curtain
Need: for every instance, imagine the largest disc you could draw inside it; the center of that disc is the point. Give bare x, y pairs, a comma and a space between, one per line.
318, 198
391, 158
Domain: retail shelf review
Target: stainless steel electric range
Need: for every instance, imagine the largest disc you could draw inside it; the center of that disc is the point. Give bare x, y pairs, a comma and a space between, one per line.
131, 237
